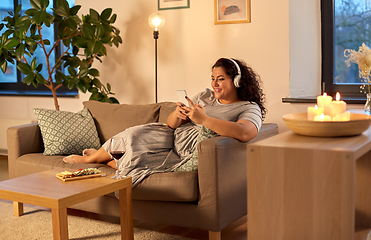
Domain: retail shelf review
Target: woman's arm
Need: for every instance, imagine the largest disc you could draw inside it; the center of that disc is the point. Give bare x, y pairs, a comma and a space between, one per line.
178, 117
242, 130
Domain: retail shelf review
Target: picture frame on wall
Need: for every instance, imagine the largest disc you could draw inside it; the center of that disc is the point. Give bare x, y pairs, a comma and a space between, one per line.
172, 4
232, 11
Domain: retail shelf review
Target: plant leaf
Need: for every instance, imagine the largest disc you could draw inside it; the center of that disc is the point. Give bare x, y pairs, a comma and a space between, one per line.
75, 9
33, 64
94, 72
61, 11
11, 43
28, 79
106, 14
94, 14
4, 66
113, 18
88, 31
83, 72
39, 17
40, 78
35, 4
19, 52
39, 67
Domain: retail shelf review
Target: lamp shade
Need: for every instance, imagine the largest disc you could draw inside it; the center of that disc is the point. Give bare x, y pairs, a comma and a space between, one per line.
156, 21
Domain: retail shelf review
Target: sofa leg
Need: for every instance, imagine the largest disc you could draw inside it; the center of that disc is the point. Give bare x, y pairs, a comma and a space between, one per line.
215, 235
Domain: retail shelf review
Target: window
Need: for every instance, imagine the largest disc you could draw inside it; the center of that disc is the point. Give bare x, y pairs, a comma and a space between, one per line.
346, 24
11, 81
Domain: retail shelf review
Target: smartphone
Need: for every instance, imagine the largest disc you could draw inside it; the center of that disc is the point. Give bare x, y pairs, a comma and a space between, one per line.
181, 96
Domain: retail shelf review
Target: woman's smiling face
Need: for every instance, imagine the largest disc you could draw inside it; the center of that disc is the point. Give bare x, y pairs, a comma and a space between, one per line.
223, 86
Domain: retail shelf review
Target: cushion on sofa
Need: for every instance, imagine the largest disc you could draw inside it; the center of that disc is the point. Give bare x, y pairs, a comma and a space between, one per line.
170, 186
65, 132
111, 119
165, 110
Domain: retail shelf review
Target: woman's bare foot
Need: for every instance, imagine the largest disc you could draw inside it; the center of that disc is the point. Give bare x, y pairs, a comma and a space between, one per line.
69, 159
88, 152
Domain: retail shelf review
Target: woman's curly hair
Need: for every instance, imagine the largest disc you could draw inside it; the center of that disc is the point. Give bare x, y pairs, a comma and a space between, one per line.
250, 83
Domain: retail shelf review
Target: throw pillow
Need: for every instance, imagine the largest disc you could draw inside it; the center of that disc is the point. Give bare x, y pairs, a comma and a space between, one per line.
66, 133
192, 163
111, 119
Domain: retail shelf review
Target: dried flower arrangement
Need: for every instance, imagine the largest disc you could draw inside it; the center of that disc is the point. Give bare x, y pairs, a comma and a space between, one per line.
362, 57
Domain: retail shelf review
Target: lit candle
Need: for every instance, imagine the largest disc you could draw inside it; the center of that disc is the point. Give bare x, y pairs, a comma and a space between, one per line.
322, 118
343, 117
314, 111
324, 101
337, 107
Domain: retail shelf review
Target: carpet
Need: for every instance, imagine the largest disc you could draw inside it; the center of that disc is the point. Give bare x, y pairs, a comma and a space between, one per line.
37, 224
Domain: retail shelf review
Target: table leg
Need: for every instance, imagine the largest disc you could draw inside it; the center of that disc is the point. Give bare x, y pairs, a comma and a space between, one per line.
60, 226
126, 214
18, 209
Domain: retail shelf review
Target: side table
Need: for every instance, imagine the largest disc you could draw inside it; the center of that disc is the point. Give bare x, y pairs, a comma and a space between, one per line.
309, 188
45, 190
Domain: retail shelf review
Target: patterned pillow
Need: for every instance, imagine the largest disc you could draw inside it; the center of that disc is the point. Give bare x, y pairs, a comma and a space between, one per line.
192, 163
66, 133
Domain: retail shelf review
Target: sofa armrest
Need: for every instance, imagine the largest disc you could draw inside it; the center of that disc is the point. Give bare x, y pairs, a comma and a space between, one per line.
222, 174
21, 140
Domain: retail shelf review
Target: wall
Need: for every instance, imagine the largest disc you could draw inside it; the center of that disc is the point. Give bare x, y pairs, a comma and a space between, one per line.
190, 43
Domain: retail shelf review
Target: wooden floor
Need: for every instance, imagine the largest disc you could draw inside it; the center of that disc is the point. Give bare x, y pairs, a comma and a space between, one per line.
235, 231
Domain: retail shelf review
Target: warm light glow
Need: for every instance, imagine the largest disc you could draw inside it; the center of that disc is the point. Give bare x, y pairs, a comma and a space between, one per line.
324, 94
156, 21
315, 107
337, 96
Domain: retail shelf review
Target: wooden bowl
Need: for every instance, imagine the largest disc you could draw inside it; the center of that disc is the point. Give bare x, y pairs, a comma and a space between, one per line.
298, 123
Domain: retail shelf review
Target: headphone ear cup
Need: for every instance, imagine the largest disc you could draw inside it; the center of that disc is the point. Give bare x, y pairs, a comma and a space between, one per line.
237, 78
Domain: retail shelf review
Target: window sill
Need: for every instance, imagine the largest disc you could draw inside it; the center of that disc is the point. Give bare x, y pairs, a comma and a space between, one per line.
313, 99
25, 93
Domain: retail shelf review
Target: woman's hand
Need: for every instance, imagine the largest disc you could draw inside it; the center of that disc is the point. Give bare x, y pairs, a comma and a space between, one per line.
195, 112
181, 111
178, 117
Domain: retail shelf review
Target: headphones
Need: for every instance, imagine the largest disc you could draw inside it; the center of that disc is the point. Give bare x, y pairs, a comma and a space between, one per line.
237, 78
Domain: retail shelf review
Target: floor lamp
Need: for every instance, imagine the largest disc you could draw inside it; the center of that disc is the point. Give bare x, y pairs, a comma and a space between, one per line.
156, 21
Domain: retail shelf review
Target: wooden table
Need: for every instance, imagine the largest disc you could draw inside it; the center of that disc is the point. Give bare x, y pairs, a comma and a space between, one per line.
44, 189
309, 188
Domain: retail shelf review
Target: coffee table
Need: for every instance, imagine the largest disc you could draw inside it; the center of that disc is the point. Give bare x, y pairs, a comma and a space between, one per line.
45, 190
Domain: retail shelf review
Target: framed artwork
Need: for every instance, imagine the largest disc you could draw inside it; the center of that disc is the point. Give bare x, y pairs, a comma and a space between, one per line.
172, 4
232, 11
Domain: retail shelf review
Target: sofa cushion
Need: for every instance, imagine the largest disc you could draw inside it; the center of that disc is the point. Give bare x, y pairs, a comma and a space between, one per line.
170, 186
65, 132
111, 119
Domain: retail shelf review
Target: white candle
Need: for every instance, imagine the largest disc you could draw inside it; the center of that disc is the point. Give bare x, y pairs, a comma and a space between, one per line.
324, 101
314, 111
322, 118
338, 106
343, 117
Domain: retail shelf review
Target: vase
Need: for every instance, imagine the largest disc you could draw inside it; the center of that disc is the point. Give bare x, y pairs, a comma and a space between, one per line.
368, 104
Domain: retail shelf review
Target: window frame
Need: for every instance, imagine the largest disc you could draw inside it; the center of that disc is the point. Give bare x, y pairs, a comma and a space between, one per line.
21, 89
349, 91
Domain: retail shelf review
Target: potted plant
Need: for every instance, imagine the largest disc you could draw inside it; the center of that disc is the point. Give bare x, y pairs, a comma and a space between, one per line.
81, 40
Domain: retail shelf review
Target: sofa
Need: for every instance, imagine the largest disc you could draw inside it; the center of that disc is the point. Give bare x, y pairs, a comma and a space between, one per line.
210, 198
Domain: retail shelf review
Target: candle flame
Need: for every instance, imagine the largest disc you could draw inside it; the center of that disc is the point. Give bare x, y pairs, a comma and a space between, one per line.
337, 96
322, 116
324, 94
315, 107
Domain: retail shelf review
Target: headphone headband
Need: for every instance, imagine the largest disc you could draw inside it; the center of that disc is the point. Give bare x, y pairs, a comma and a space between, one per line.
237, 78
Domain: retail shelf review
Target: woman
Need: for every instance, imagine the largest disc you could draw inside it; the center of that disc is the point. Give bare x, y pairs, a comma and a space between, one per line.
234, 108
